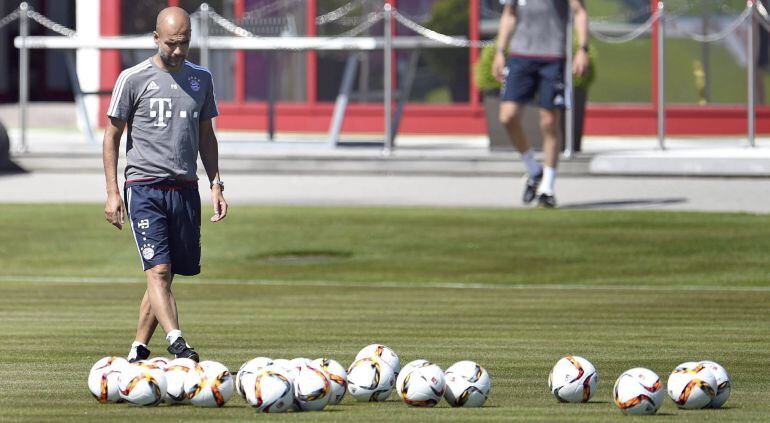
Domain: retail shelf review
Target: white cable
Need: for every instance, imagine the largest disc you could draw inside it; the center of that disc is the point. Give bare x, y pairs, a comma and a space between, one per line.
371, 19
270, 8
338, 13
53, 26
636, 33
228, 25
437, 36
703, 38
764, 18
10, 18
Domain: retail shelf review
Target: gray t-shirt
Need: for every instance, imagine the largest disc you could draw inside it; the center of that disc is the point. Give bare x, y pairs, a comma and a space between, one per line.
541, 28
163, 110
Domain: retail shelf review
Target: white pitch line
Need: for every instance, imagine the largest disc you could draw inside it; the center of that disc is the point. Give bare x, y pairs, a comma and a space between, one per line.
387, 285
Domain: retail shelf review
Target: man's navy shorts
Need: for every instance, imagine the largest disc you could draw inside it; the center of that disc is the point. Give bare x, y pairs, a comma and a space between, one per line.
165, 218
526, 77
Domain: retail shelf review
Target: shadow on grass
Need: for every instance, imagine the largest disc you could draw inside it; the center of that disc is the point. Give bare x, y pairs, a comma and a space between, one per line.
623, 203
10, 168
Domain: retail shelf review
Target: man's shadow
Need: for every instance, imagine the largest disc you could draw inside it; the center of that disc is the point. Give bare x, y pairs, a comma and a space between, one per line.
7, 166
630, 203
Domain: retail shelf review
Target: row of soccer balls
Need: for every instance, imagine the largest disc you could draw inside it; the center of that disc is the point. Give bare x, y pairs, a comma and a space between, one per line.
692, 385
281, 385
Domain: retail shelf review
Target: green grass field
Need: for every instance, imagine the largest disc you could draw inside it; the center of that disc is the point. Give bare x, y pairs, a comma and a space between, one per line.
512, 289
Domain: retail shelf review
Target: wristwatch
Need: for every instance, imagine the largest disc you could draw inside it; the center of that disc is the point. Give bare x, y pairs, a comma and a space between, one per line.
218, 182
584, 48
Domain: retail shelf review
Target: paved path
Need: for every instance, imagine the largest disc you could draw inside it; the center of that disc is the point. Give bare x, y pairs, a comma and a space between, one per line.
574, 192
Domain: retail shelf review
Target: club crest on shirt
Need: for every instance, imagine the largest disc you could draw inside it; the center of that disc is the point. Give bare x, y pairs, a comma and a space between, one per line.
195, 83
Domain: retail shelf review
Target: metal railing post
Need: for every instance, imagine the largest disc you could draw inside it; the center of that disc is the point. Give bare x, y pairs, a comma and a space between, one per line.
750, 65
204, 37
569, 96
387, 81
23, 75
661, 76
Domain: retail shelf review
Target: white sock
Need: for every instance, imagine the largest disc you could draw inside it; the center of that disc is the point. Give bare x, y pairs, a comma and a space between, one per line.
172, 335
533, 167
132, 352
549, 177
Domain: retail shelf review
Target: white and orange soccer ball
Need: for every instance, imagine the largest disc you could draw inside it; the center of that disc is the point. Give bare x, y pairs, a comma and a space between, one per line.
176, 371
269, 390
467, 384
573, 379
638, 391
250, 367
103, 379
338, 377
724, 383
158, 361
692, 386
421, 385
209, 385
142, 384
383, 353
312, 389
370, 379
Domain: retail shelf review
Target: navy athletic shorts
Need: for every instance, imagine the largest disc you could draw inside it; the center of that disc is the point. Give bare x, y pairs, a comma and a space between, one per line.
526, 77
165, 218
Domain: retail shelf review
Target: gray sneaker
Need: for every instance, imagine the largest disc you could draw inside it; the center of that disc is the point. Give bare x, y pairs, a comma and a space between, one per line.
546, 201
530, 187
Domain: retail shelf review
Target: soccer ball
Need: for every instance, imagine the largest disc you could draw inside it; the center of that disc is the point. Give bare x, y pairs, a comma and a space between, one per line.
250, 367
638, 391
692, 386
573, 379
158, 361
286, 366
176, 371
467, 384
142, 384
724, 383
209, 385
383, 353
370, 379
421, 386
103, 379
312, 389
408, 367
268, 390
337, 375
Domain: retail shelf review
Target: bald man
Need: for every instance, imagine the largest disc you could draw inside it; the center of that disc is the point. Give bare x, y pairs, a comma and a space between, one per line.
168, 104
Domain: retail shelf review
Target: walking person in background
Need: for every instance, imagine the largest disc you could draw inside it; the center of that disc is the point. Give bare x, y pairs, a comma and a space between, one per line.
168, 104
534, 34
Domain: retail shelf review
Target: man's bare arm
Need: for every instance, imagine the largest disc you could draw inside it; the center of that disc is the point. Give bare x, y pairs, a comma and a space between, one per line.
504, 33
113, 207
209, 151
580, 20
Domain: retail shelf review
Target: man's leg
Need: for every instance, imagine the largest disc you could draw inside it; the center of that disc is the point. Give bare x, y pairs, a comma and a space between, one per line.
510, 117
163, 305
549, 125
161, 299
144, 330
147, 321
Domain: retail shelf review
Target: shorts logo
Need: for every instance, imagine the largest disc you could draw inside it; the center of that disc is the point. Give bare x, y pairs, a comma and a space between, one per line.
195, 83
148, 251
143, 224
558, 100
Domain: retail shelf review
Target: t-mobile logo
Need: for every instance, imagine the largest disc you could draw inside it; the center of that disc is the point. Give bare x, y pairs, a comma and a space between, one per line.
162, 111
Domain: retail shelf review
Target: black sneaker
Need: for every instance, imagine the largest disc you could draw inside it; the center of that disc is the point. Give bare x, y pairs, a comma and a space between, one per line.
180, 349
142, 353
530, 187
546, 201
